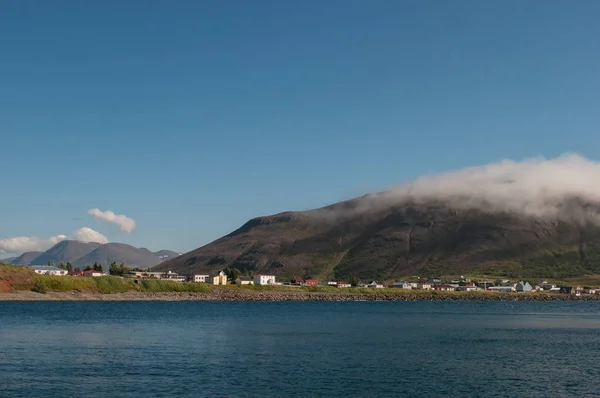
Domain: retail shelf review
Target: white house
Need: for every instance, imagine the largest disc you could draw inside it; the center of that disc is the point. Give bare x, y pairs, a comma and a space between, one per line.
523, 287
92, 273
260, 279
244, 280
343, 284
502, 289
424, 286
48, 270
200, 278
402, 285
376, 285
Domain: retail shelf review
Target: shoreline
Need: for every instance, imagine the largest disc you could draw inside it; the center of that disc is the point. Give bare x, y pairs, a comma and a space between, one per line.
241, 295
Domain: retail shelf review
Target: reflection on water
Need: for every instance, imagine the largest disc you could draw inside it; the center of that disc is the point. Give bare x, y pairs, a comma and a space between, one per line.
137, 349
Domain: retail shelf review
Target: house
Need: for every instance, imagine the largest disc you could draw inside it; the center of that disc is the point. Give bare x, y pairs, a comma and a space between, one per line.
566, 289
343, 284
502, 289
523, 287
374, 284
467, 288
199, 278
547, 286
424, 286
485, 284
402, 285
244, 280
48, 270
218, 279
443, 287
262, 280
91, 273
297, 281
331, 283
360, 284
311, 282
75, 273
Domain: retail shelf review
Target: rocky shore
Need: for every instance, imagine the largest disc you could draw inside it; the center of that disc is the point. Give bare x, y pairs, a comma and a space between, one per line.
218, 294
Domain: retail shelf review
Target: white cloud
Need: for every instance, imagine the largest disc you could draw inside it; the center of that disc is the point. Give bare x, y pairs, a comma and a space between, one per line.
124, 223
86, 234
21, 244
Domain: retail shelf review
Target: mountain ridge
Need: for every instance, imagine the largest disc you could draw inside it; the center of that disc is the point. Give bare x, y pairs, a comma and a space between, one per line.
354, 239
81, 254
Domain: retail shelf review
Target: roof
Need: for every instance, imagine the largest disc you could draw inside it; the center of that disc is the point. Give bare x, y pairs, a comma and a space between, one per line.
245, 278
297, 278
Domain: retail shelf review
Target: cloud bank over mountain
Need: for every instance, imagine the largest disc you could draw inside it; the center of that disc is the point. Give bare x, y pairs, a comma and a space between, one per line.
537, 187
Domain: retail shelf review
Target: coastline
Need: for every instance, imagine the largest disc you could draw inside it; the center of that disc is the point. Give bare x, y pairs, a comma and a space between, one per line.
248, 295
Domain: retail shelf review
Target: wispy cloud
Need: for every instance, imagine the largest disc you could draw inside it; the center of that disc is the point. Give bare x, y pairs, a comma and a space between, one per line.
124, 223
22, 244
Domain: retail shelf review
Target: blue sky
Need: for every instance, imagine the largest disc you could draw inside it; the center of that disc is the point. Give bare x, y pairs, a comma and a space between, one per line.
193, 117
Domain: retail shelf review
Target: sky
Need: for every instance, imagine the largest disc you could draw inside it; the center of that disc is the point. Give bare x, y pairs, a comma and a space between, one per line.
189, 118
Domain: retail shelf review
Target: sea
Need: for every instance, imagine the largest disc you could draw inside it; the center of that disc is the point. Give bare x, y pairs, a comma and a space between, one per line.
299, 349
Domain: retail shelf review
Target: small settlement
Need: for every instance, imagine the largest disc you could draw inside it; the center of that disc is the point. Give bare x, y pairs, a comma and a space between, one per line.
435, 284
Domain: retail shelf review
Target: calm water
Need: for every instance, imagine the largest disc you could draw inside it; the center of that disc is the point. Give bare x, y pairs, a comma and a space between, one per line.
160, 349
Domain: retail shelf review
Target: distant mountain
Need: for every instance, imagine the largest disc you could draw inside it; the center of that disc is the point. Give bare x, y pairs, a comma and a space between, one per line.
25, 258
165, 255
120, 253
7, 260
66, 251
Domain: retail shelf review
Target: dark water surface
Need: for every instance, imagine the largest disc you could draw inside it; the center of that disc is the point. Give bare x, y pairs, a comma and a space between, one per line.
285, 349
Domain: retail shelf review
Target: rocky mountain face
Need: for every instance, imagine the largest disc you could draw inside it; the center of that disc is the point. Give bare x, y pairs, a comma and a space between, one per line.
346, 241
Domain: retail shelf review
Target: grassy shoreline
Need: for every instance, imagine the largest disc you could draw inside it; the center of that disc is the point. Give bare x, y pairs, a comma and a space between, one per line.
21, 282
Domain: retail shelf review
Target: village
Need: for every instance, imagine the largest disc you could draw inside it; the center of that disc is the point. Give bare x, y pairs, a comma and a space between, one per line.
220, 278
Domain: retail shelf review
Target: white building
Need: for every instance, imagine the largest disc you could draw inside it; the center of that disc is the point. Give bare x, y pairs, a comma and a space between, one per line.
48, 270
199, 278
260, 279
93, 273
218, 279
343, 284
502, 289
402, 285
376, 285
523, 287
424, 286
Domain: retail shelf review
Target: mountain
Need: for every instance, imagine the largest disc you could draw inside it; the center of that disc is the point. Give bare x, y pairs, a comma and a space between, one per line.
7, 260
354, 239
25, 258
121, 253
66, 251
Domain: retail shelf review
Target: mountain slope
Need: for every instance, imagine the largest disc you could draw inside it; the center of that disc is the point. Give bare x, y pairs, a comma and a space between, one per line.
120, 253
25, 258
66, 251
343, 240
166, 255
